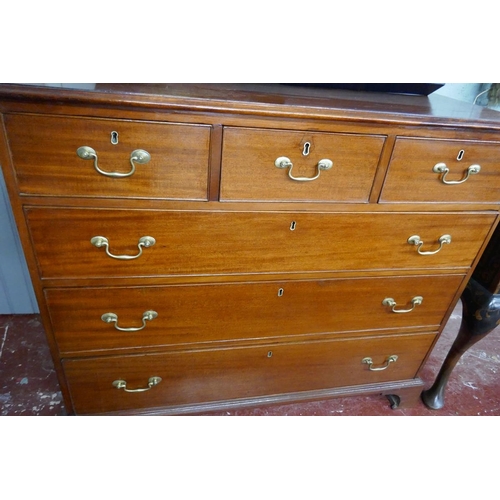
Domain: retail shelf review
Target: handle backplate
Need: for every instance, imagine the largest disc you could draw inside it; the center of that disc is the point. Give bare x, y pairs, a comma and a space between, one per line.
441, 168
368, 361
122, 384
113, 318
445, 239
284, 162
137, 156
415, 301
102, 241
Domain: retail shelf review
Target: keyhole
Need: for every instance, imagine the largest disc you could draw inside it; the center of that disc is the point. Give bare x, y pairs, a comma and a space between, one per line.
114, 137
269, 354
460, 154
307, 148
280, 292
292, 226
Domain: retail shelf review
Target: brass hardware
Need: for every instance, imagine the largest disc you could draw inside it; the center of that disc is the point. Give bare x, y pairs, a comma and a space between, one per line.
415, 240
441, 168
307, 149
113, 318
114, 137
416, 301
284, 162
369, 362
270, 354
101, 241
122, 384
293, 225
138, 156
281, 292
460, 155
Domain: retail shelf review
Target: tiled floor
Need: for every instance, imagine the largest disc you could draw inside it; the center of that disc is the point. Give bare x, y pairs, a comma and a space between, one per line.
28, 384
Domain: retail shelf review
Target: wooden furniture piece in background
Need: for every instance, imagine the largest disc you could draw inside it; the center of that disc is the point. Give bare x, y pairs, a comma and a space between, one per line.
197, 247
480, 316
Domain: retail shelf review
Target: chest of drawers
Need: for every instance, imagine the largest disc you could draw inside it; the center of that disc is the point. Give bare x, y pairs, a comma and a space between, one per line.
198, 247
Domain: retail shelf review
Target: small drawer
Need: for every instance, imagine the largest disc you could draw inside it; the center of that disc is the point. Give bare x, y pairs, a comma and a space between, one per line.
135, 317
44, 153
250, 171
92, 243
200, 376
433, 170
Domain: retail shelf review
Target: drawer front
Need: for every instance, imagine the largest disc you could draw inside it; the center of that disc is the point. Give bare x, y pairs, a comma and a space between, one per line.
200, 376
411, 176
44, 153
197, 243
249, 171
201, 313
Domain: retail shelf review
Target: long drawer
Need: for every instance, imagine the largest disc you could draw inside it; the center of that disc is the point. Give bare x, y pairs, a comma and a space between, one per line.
197, 376
44, 153
110, 318
74, 243
250, 170
435, 170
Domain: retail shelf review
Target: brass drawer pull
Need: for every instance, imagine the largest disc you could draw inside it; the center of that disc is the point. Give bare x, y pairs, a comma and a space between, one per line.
441, 168
369, 362
122, 384
416, 301
101, 241
113, 318
415, 240
137, 156
284, 162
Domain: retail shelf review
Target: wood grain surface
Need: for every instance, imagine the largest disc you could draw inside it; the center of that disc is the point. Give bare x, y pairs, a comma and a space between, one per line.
198, 376
249, 171
410, 176
197, 243
203, 313
265, 287
44, 149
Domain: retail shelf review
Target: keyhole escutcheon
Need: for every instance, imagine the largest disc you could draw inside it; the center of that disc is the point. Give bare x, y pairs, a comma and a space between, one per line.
307, 148
114, 137
293, 226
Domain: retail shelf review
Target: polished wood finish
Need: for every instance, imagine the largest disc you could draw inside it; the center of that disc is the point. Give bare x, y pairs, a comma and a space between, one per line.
267, 289
247, 242
244, 310
44, 149
411, 178
198, 376
268, 100
249, 172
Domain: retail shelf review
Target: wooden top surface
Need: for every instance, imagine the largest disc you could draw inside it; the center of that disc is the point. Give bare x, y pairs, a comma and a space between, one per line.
269, 100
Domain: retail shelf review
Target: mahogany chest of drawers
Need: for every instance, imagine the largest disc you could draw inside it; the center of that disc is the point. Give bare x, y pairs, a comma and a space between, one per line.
198, 247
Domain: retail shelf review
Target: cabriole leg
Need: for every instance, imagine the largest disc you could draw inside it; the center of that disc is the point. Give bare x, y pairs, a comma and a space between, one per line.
481, 315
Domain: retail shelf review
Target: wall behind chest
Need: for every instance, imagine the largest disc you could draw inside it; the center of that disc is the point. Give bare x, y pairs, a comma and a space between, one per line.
16, 291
